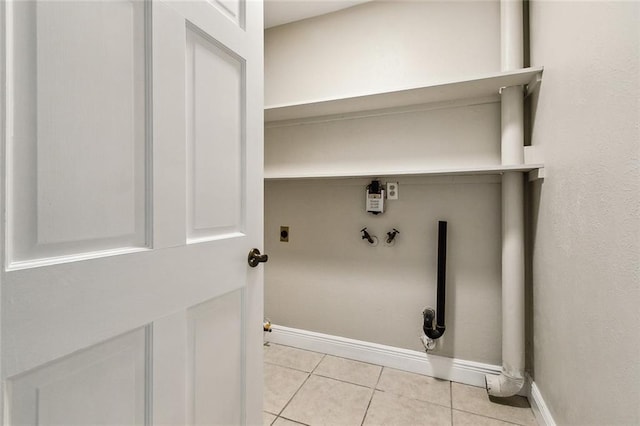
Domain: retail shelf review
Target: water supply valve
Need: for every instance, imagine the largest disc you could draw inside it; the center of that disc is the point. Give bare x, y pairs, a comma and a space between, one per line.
266, 328
391, 236
371, 239
429, 343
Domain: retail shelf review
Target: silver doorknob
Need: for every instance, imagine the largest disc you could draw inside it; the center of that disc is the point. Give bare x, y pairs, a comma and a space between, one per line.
255, 257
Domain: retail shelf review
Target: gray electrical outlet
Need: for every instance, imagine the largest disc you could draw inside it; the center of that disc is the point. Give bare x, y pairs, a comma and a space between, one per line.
284, 234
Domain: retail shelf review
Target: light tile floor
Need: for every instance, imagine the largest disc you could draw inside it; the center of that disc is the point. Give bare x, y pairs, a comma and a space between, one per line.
310, 388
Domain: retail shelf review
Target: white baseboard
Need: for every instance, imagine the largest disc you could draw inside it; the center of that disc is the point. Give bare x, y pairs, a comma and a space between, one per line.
540, 409
456, 370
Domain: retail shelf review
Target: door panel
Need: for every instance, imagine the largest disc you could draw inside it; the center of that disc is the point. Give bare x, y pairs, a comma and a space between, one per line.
215, 327
215, 140
79, 129
233, 9
134, 193
98, 386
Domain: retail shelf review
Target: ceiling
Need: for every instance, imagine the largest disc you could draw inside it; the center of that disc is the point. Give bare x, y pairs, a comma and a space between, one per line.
278, 12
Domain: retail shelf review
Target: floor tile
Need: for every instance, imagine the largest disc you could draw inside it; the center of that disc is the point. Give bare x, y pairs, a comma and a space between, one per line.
323, 401
280, 384
285, 422
389, 409
286, 356
415, 386
267, 418
348, 370
475, 400
461, 418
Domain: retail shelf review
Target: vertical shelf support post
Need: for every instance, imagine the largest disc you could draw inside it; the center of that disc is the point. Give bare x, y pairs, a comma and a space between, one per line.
511, 379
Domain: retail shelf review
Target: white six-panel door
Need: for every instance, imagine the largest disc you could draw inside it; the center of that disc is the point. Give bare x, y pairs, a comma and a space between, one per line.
132, 194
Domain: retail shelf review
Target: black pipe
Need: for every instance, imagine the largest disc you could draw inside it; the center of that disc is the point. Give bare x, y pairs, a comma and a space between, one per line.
428, 314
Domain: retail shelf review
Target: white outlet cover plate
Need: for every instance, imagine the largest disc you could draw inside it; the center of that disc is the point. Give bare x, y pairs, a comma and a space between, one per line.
392, 190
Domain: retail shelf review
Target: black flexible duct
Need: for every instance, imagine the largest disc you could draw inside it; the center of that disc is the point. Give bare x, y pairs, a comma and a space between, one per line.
429, 314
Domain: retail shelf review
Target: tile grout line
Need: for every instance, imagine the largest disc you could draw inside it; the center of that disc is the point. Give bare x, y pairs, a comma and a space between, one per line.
373, 392
309, 373
318, 364
294, 394
343, 381
294, 421
418, 399
379, 377
451, 400
289, 367
511, 422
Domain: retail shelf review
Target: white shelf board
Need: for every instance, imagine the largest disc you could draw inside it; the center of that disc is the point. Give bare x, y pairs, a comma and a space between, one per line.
483, 170
478, 87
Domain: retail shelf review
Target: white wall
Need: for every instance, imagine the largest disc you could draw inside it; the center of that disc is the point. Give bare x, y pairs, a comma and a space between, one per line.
462, 136
326, 278
380, 46
586, 228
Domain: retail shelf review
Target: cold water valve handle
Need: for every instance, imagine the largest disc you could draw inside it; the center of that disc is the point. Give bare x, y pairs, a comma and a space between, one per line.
366, 236
392, 235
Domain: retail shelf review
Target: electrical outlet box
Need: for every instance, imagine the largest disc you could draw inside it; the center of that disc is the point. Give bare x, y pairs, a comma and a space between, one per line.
284, 234
392, 190
375, 197
375, 202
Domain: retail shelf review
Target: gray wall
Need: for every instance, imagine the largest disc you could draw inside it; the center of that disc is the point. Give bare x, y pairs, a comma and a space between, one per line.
586, 226
327, 279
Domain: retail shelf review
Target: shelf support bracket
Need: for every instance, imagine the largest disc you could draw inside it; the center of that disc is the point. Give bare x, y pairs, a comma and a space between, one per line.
536, 174
533, 84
